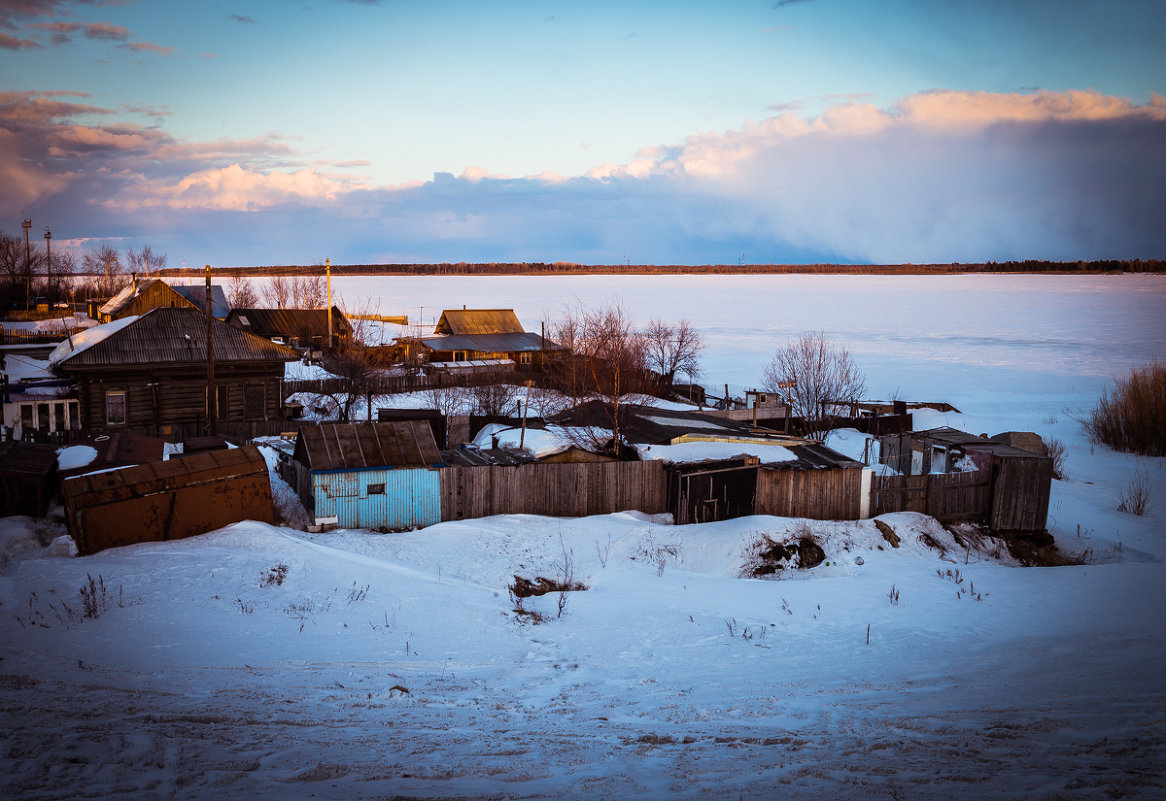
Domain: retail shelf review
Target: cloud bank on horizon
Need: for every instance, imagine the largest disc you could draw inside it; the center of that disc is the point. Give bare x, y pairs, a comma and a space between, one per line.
931, 176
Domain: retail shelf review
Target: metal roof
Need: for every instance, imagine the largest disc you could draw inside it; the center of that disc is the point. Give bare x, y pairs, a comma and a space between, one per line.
478, 321
196, 294
27, 458
352, 446
175, 336
288, 322
489, 343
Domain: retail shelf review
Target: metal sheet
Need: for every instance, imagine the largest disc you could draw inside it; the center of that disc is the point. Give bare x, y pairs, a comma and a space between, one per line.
410, 498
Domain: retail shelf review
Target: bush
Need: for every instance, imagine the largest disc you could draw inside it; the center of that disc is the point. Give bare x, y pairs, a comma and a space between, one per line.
1133, 417
1057, 454
1135, 500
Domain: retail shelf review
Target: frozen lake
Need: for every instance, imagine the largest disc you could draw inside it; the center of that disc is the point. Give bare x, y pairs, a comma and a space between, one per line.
914, 335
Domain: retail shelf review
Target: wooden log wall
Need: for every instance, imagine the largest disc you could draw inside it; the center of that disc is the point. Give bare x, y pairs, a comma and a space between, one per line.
833, 494
555, 490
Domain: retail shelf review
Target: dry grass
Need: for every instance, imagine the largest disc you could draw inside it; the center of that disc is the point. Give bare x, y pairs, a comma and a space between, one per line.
1132, 417
1058, 454
1135, 499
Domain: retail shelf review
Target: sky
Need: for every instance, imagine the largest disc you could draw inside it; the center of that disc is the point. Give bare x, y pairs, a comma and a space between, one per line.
258, 132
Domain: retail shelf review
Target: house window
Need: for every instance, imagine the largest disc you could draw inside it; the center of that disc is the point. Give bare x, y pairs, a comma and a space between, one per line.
376, 489
74, 416
59, 416
115, 407
459, 356
224, 409
26, 417
42, 416
524, 358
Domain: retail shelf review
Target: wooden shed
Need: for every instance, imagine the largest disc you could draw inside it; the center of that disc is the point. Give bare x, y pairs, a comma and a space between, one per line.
484, 340
954, 475
379, 475
167, 500
143, 295
301, 328
27, 478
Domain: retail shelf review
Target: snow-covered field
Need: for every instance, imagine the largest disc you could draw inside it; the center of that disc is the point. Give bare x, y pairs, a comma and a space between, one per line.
259, 662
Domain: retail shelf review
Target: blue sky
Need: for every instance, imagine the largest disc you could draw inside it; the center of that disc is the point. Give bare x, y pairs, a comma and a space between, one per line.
269, 131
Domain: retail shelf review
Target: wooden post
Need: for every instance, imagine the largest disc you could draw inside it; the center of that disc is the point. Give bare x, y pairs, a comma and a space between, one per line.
212, 395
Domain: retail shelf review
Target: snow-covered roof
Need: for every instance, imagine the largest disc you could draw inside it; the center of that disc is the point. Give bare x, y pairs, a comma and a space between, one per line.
83, 340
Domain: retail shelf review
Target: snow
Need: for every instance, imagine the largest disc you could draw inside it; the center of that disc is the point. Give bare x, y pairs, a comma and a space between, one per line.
301, 371
76, 456
696, 451
540, 442
86, 339
395, 665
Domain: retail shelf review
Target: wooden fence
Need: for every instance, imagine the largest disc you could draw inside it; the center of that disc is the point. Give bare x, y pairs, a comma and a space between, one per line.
555, 490
948, 497
827, 494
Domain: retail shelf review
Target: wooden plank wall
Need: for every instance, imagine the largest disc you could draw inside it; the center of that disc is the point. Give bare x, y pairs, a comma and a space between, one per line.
1021, 498
555, 490
948, 497
827, 494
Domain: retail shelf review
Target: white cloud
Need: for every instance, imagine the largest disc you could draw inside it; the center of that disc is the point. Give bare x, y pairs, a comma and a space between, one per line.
233, 188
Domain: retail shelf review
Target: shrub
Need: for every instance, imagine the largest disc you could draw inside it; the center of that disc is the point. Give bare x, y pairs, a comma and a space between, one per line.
1135, 499
1133, 416
1058, 454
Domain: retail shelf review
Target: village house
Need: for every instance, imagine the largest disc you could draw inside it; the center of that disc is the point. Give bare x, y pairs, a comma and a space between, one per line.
40, 409
484, 339
150, 374
142, 295
297, 328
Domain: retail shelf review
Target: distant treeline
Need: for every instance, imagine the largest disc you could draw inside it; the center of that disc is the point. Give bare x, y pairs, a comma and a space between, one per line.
570, 268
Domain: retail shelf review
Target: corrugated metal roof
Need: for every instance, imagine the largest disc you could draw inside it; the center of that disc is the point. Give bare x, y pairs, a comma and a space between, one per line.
352, 446
288, 322
478, 321
489, 343
196, 294
176, 336
184, 471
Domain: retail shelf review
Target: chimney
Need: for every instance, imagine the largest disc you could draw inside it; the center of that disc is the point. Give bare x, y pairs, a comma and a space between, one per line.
134, 281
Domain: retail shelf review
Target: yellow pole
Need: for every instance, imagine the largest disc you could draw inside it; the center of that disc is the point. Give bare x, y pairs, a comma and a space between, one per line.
328, 268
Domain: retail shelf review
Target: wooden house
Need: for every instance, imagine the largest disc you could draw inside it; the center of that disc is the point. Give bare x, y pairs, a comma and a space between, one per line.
41, 410
142, 295
150, 376
369, 474
484, 339
298, 328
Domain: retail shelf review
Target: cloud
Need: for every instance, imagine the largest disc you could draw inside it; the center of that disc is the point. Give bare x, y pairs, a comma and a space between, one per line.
784, 3
98, 31
150, 47
231, 188
243, 18
10, 42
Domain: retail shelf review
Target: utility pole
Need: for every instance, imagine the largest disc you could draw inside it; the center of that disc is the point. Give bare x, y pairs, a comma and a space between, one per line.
27, 263
328, 268
212, 395
49, 261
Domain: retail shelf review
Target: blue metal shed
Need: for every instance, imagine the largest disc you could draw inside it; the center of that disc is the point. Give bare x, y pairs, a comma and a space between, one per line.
370, 474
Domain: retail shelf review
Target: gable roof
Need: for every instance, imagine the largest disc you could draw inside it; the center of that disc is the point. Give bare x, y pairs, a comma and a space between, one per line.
478, 321
289, 322
352, 446
648, 425
173, 336
195, 294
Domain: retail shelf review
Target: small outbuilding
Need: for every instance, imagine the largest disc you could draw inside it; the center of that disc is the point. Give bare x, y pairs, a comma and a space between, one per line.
379, 475
167, 500
27, 478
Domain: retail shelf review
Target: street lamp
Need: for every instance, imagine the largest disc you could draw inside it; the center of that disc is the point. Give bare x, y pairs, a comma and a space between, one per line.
49, 264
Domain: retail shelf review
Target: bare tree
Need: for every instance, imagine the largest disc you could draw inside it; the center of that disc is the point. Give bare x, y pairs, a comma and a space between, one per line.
278, 292
672, 349
145, 261
308, 292
106, 267
814, 373
241, 293
609, 364
494, 399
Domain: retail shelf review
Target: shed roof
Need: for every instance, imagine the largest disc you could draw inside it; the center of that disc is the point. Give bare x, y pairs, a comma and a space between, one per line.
953, 436
116, 450
288, 322
174, 336
352, 446
489, 343
649, 425
27, 458
478, 321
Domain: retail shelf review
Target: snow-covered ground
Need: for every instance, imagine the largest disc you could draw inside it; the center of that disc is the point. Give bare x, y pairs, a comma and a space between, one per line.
262, 662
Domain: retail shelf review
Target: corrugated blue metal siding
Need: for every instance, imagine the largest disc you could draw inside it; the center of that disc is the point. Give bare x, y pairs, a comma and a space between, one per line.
411, 497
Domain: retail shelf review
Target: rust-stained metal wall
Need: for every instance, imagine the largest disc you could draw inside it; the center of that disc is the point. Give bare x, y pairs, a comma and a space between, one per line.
167, 500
